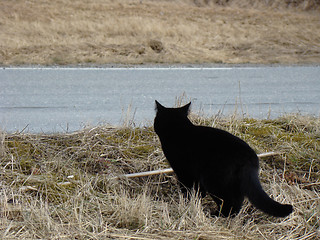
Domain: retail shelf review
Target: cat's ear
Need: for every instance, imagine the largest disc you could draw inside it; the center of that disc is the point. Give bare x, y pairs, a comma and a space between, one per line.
159, 106
186, 108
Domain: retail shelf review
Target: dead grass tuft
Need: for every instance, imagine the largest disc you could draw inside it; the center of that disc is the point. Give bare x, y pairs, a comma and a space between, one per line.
61, 186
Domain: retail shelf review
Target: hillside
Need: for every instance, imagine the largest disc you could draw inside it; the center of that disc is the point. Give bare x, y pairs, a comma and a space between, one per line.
145, 31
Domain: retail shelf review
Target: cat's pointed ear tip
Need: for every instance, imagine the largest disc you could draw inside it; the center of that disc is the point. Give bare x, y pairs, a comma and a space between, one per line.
188, 105
158, 105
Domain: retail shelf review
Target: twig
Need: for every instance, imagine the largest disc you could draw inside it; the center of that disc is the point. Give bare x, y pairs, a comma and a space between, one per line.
268, 154
310, 185
170, 170
148, 173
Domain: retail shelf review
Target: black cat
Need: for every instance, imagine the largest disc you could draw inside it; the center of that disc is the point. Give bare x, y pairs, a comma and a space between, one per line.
214, 161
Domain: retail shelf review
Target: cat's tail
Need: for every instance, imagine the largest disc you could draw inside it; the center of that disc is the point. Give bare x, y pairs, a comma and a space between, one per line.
259, 198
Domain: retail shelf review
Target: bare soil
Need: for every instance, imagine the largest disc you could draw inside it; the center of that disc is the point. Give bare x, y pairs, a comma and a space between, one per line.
147, 31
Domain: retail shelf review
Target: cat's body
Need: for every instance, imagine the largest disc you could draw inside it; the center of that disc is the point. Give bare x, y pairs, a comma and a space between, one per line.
214, 161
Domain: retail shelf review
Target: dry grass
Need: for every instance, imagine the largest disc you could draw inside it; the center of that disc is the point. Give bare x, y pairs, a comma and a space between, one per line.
181, 31
60, 186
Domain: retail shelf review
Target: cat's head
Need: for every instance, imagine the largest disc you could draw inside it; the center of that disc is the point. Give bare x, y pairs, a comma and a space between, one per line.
184, 110
171, 117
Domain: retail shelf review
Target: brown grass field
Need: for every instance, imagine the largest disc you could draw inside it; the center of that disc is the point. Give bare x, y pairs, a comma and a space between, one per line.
146, 31
63, 186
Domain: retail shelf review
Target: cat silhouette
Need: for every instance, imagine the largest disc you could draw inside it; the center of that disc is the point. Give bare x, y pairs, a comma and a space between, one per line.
213, 161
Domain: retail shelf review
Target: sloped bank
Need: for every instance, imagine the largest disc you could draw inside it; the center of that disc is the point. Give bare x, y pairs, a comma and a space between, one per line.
61, 185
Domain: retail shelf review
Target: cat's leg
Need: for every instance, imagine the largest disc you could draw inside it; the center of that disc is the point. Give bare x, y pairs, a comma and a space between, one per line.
219, 203
199, 189
185, 190
186, 184
189, 185
229, 199
232, 206
227, 206
202, 191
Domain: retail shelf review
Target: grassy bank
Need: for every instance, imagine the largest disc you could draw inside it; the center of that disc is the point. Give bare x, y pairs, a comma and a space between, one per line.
180, 31
62, 186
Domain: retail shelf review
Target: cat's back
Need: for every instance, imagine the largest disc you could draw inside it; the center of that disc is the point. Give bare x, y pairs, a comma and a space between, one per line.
222, 144
217, 135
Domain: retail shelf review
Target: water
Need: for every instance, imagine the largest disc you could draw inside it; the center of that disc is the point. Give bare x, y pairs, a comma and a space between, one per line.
67, 99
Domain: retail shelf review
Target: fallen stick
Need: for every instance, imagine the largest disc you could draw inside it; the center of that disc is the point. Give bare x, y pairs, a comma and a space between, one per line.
170, 170
149, 173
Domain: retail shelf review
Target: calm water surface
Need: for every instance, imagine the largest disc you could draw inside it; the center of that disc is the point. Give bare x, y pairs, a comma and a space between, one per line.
67, 99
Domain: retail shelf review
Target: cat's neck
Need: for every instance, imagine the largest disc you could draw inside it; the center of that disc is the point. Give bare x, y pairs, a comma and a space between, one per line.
179, 127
